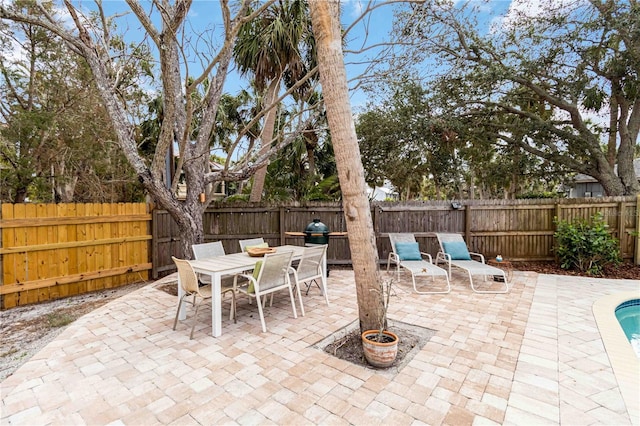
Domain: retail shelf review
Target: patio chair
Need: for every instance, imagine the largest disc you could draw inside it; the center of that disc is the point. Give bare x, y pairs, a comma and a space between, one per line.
207, 250
189, 283
202, 251
272, 275
406, 254
454, 252
250, 243
309, 270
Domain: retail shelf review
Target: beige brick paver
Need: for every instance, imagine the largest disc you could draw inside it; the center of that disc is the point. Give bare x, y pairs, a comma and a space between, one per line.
532, 356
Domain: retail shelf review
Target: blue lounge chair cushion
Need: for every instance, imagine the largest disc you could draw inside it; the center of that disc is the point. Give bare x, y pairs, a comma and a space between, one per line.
408, 251
457, 250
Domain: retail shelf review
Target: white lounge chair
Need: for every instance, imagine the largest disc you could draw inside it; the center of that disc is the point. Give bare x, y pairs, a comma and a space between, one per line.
454, 252
406, 254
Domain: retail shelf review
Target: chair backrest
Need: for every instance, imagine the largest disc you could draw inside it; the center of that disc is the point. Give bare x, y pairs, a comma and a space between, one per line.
274, 271
188, 277
250, 242
400, 238
311, 262
448, 238
203, 251
454, 246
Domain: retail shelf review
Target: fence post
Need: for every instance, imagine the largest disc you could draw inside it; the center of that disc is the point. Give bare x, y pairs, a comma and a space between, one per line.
467, 223
621, 234
281, 213
555, 228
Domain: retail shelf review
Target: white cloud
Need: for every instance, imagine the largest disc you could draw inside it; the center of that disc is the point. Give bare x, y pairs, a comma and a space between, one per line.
356, 8
524, 9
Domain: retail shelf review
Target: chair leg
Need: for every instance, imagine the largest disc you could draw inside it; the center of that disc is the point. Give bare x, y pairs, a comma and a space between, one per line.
293, 303
324, 290
232, 309
195, 317
506, 286
175, 322
448, 290
300, 297
259, 303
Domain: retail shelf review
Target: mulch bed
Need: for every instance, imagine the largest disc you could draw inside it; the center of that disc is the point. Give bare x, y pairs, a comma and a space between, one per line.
625, 271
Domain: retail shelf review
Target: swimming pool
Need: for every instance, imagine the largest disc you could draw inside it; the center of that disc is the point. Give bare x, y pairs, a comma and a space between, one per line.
624, 360
628, 315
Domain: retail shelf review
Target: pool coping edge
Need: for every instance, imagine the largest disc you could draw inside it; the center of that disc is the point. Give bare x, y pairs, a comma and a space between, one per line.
623, 360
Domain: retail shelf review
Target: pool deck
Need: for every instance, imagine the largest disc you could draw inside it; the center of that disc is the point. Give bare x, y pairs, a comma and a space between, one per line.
531, 356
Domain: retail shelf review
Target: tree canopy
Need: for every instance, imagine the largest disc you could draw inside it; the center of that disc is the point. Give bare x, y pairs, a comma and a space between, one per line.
56, 140
537, 82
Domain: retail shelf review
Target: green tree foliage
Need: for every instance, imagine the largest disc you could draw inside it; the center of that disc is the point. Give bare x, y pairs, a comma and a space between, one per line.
401, 140
56, 141
276, 46
189, 73
305, 169
303, 173
405, 138
536, 81
586, 245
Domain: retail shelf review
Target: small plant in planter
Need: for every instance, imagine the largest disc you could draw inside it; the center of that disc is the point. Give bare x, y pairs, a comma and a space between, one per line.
381, 346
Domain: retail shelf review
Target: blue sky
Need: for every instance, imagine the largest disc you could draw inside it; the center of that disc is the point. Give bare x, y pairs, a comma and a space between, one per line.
205, 16
205, 19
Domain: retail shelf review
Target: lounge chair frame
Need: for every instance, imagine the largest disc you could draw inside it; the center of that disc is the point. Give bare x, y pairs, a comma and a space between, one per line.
473, 267
416, 268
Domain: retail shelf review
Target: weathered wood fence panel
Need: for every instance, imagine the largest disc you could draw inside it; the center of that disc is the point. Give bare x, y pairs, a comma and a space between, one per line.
50, 251
517, 229
230, 223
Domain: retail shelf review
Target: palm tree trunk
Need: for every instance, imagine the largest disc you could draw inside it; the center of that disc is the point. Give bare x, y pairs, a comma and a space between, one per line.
326, 28
265, 142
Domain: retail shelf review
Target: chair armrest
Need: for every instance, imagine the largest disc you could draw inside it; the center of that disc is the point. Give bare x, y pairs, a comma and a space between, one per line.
294, 272
428, 256
479, 255
393, 257
444, 256
248, 277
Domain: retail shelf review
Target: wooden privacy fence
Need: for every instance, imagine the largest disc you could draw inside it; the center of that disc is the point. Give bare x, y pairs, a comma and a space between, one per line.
517, 229
50, 251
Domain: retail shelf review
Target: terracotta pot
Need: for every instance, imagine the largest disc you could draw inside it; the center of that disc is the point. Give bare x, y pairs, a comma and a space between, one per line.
380, 354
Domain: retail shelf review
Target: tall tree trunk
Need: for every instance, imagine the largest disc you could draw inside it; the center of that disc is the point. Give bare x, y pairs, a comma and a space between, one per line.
613, 130
325, 17
265, 142
311, 143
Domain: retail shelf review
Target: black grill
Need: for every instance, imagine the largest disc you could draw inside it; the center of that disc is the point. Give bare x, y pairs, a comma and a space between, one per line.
316, 233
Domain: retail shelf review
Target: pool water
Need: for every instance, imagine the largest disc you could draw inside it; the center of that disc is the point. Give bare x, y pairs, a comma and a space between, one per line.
628, 315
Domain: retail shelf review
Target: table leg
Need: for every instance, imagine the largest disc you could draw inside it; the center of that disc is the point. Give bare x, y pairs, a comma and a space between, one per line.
216, 305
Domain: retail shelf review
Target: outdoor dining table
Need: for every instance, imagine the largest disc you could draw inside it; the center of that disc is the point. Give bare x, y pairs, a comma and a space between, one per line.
229, 264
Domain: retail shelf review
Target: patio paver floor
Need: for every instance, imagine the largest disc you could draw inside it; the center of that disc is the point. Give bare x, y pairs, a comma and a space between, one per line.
531, 356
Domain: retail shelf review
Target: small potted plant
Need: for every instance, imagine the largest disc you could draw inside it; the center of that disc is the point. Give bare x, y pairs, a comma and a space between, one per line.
381, 346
